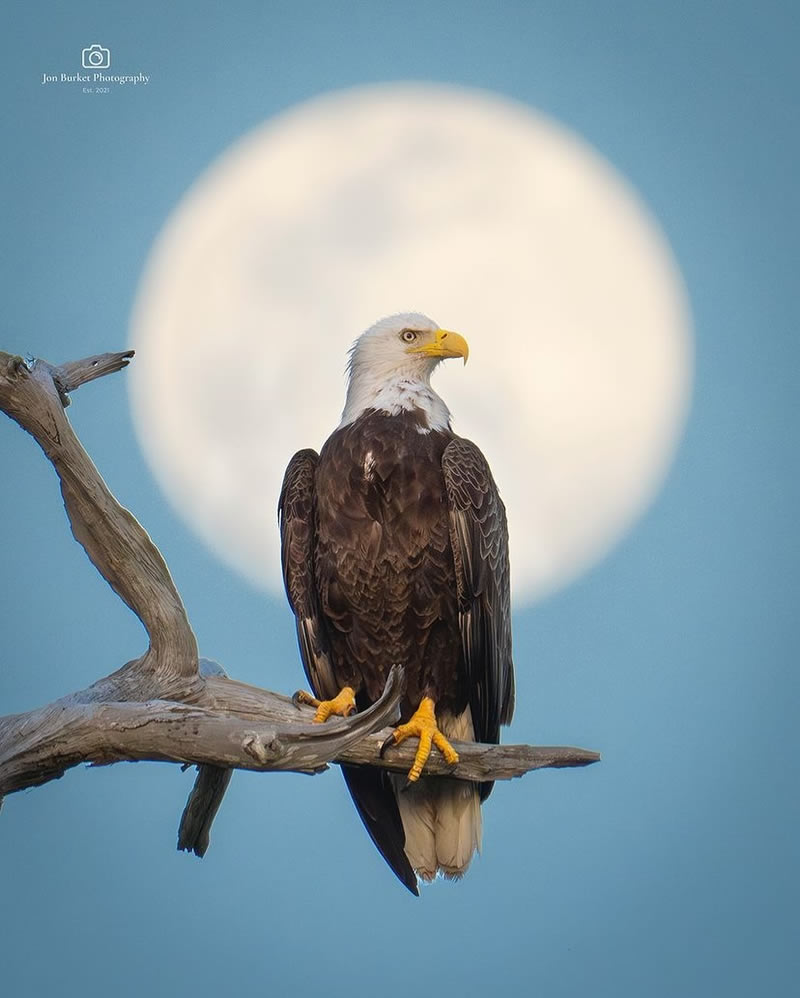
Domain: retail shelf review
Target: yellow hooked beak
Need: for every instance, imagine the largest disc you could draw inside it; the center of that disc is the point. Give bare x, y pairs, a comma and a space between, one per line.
445, 343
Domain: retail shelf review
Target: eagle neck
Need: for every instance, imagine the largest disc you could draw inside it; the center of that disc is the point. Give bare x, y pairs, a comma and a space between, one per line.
401, 393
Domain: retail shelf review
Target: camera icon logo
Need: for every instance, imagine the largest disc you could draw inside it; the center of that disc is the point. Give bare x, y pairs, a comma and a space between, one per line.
95, 57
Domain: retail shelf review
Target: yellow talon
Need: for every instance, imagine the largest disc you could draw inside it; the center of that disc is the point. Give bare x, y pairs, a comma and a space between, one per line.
342, 705
423, 725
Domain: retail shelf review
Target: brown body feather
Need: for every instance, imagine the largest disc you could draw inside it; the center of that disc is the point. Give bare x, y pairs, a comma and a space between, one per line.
383, 561
395, 549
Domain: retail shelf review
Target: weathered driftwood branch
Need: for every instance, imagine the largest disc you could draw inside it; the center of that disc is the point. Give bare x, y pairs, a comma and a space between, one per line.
169, 705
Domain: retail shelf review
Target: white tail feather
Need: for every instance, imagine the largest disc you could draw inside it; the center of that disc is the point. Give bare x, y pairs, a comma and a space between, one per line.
441, 818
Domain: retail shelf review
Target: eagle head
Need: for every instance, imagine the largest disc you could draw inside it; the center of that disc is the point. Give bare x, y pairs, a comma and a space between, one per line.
391, 365
408, 345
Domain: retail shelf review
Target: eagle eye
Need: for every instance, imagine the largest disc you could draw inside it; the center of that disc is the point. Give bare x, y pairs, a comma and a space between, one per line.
408, 335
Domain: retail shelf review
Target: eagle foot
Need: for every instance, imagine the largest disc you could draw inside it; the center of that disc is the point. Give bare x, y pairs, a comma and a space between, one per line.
422, 725
342, 705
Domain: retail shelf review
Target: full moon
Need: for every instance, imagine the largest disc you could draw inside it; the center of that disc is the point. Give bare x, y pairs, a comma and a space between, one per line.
482, 213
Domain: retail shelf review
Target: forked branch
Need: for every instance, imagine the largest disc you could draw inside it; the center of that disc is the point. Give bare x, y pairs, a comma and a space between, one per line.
169, 705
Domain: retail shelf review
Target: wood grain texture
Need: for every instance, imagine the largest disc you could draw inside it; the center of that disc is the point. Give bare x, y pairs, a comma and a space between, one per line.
168, 704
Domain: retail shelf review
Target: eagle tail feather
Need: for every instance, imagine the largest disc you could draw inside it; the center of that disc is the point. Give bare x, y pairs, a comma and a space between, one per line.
375, 799
441, 817
442, 824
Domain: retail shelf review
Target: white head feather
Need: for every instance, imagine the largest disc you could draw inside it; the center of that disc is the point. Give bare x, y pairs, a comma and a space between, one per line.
388, 373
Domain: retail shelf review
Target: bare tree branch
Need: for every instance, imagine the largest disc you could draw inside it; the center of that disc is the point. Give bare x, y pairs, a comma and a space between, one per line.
169, 705
70, 376
39, 746
113, 539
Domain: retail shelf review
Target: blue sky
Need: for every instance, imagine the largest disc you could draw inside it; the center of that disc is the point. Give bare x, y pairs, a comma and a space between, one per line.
672, 867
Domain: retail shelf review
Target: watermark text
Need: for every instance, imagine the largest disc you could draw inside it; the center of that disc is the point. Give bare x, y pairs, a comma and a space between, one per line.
135, 79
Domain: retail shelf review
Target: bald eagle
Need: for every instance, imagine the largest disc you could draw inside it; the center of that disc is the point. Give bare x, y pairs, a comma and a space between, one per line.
395, 549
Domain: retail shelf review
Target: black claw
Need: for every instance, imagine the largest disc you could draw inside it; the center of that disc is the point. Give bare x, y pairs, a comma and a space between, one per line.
389, 741
297, 698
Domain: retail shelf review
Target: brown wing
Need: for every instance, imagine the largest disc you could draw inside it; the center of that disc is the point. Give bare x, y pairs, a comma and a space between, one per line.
479, 536
296, 520
370, 789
